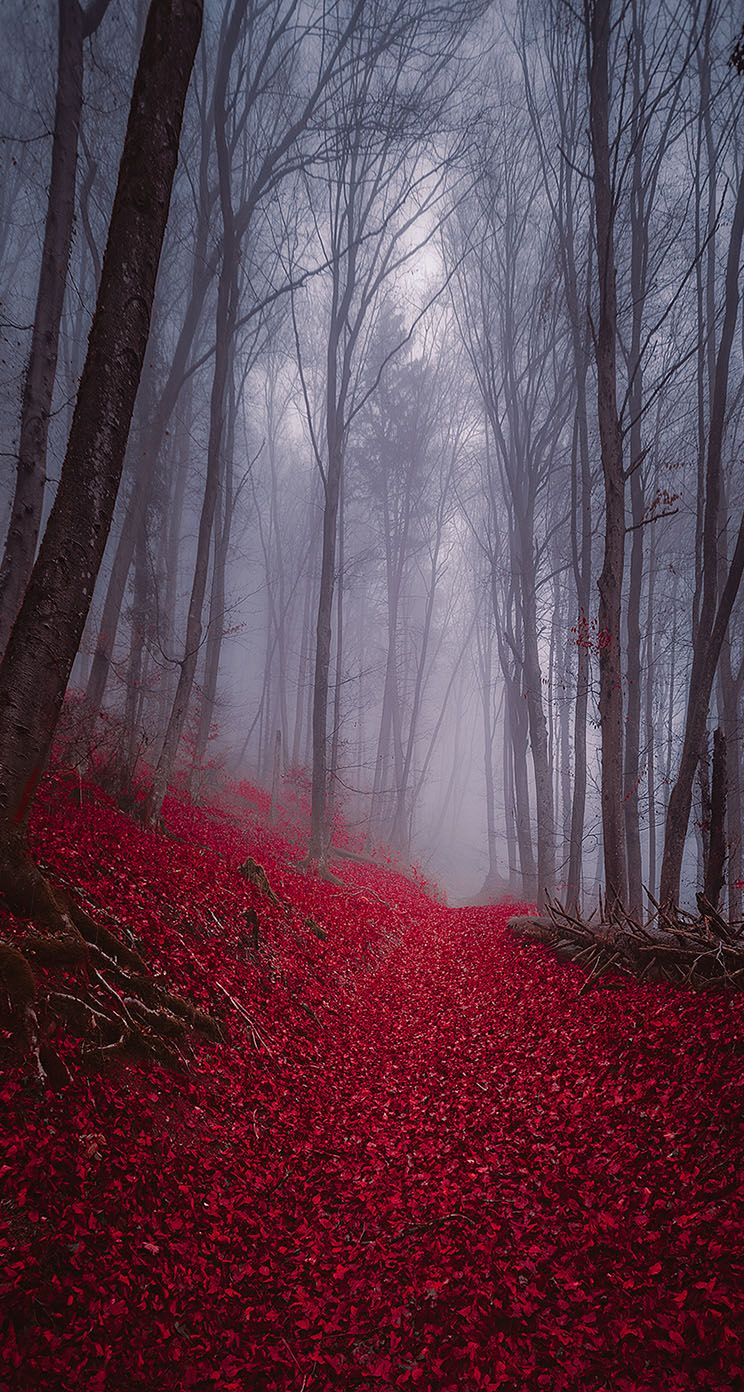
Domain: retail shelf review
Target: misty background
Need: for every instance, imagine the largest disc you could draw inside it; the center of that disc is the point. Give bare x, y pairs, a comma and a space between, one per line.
381, 275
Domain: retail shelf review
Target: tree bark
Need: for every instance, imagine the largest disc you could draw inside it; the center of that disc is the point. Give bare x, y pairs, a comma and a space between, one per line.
729, 696
319, 787
715, 867
217, 604
137, 502
538, 736
47, 632
611, 578
74, 26
704, 664
713, 619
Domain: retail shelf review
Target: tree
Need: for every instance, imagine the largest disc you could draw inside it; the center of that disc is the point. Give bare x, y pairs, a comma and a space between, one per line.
611, 578
385, 180
270, 44
717, 604
46, 634
75, 25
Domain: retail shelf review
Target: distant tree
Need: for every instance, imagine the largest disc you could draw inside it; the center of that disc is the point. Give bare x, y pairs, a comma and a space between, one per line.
387, 157
262, 110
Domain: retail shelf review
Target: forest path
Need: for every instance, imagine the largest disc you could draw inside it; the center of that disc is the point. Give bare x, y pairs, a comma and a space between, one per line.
419, 1159
506, 1181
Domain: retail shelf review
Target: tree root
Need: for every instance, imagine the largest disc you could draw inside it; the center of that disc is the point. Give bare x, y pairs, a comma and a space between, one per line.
115, 1005
256, 875
703, 953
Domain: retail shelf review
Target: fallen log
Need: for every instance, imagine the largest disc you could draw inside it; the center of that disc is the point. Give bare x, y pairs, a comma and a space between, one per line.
702, 953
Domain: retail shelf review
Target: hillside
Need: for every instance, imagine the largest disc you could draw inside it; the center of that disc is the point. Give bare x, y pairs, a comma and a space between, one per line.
417, 1159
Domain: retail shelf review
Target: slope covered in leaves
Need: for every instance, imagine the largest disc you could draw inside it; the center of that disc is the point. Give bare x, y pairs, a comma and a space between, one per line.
419, 1160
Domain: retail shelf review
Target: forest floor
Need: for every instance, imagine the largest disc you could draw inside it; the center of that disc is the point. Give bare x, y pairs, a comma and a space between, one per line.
419, 1160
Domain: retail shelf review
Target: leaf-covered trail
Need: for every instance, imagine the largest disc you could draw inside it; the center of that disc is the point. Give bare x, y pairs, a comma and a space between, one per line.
427, 1162
519, 1208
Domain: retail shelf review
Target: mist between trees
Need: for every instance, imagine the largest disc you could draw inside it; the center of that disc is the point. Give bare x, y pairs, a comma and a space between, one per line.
413, 485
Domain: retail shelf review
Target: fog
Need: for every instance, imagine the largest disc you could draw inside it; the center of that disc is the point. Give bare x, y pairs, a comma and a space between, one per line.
429, 508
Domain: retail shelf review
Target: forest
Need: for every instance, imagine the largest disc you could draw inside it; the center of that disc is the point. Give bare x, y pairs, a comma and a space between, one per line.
371, 694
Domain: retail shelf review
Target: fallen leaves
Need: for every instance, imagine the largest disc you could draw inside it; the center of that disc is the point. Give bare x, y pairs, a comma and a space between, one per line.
469, 1178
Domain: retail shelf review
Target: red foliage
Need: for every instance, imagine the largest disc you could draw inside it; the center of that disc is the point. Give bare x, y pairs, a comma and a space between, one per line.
449, 1172
588, 634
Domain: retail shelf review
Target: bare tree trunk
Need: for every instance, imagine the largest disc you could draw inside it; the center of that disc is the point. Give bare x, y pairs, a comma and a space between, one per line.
650, 728
729, 693
518, 728
715, 865
46, 634
137, 501
319, 793
611, 578
399, 837
713, 620
508, 785
135, 669
216, 629
564, 736
276, 773
302, 670
225, 320
639, 258
671, 705
704, 664
74, 26
336, 733
194, 623
167, 615
538, 741
485, 666
581, 551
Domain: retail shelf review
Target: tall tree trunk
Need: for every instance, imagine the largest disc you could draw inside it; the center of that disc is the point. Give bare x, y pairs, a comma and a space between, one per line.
510, 830
74, 26
638, 263
716, 862
47, 632
135, 670
581, 552
649, 716
167, 616
399, 836
137, 502
216, 629
538, 739
319, 789
729, 692
518, 729
302, 670
713, 617
611, 578
485, 665
225, 321
337, 689
704, 664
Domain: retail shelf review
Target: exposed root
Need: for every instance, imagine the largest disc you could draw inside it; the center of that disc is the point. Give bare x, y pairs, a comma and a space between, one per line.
315, 928
115, 1005
318, 866
257, 876
703, 953
17, 986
